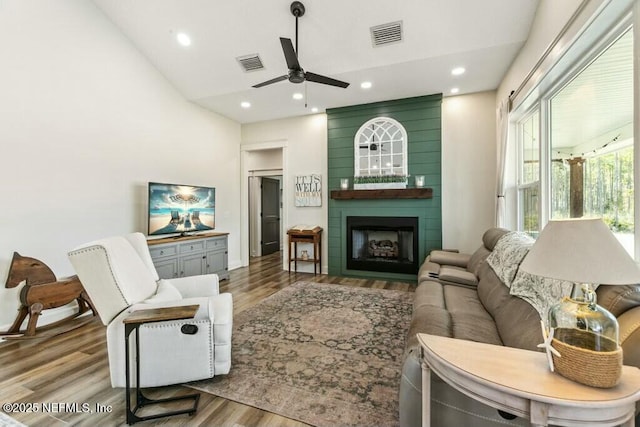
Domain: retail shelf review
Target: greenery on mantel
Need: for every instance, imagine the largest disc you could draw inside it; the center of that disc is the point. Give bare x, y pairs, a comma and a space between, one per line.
379, 179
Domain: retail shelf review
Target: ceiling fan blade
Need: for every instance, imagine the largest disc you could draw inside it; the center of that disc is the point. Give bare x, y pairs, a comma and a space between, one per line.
268, 82
317, 78
289, 54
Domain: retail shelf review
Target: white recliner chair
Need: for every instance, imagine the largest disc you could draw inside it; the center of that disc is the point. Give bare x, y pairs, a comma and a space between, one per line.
120, 278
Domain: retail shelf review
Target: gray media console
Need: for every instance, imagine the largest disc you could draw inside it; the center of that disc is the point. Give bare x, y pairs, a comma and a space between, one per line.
190, 255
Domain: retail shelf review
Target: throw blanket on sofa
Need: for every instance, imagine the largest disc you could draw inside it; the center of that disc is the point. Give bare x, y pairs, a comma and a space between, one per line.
508, 254
540, 292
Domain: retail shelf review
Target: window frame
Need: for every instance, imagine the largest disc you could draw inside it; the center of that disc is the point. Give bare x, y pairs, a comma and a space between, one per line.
521, 186
539, 99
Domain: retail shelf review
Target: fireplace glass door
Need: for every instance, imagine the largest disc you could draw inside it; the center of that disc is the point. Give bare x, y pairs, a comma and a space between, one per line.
387, 244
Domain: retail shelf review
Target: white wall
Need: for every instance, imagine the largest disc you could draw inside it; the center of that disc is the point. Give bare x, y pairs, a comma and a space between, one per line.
85, 123
305, 139
468, 169
266, 161
551, 16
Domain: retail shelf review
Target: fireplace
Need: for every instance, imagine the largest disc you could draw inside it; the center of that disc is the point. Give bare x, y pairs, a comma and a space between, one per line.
387, 244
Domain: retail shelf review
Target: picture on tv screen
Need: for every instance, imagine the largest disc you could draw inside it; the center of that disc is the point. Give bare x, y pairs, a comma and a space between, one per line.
180, 208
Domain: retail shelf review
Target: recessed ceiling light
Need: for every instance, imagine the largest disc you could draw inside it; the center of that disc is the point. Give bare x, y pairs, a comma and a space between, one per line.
458, 71
245, 104
314, 110
298, 95
183, 39
365, 85
455, 90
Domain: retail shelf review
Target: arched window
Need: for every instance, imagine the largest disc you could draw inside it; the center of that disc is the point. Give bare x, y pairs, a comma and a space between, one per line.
380, 148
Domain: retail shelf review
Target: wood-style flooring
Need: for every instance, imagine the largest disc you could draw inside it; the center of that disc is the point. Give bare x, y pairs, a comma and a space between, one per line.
50, 375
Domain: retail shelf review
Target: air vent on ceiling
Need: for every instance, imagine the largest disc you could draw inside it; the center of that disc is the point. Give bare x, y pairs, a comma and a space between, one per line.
385, 34
250, 62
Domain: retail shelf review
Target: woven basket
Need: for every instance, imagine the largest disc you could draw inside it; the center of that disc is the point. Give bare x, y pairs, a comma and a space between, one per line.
580, 361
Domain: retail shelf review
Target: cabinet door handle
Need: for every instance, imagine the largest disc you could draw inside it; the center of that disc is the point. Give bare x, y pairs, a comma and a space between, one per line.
161, 252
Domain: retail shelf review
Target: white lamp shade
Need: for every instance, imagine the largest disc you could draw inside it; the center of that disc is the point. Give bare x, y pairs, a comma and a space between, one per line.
581, 251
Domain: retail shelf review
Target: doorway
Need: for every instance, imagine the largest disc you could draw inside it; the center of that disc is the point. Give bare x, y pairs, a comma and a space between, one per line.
265, 213
259, 161
270, 215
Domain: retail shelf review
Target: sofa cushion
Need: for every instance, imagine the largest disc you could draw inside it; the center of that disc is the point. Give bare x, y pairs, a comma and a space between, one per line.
618, 299
428, 294
630, 336
428, 271
449, 258
491, 237
469, 319
432, 320
507, 255
518, 323
457, 275
477, 258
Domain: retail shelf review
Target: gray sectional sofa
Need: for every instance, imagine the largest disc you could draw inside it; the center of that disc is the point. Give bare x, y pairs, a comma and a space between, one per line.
461, 296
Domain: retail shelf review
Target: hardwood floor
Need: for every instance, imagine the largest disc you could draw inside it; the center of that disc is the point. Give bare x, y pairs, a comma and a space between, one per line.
72, 368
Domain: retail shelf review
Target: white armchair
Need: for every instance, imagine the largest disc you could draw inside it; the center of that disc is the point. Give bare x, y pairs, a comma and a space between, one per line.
119, 276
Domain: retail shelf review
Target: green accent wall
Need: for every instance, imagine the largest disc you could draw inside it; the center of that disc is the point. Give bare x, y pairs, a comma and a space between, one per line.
421, 117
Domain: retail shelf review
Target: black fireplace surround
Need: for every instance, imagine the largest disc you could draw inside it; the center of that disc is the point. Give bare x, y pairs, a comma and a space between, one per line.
387, 244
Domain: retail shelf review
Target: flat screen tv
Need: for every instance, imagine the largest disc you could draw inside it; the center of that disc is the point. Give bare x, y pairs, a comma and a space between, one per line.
180, 208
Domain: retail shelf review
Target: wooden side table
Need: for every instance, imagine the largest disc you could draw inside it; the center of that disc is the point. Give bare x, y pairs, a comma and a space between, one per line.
132, 323
520, 382
313, 236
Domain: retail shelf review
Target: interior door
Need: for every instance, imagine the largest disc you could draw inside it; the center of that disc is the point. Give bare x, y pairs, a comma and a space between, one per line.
270, 216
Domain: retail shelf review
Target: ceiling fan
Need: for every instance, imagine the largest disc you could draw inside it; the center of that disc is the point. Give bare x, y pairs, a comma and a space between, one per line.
296, 73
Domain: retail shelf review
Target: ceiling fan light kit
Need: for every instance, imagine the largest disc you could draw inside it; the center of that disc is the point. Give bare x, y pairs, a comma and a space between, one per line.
296, 73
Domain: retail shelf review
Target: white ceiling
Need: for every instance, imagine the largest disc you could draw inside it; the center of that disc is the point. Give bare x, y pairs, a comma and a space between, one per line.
334, 40
595, 109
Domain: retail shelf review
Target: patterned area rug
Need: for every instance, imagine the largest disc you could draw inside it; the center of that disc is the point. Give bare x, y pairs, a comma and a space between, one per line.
319, 353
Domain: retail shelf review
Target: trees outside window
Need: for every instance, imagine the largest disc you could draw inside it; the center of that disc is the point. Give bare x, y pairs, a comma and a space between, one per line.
591, 136
579, 140
529, 173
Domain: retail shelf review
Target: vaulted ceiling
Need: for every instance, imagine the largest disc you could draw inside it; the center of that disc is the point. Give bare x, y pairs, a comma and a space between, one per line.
334, 40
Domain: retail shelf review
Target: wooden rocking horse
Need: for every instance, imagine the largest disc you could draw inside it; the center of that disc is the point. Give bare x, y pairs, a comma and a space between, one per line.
42, 291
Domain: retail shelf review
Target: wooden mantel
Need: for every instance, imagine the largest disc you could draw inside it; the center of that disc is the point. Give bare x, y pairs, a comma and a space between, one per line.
403, 193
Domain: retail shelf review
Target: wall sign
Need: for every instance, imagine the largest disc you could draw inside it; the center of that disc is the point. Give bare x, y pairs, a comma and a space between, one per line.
308, 190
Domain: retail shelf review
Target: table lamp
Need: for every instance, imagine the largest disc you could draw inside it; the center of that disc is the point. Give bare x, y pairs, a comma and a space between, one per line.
583, 336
